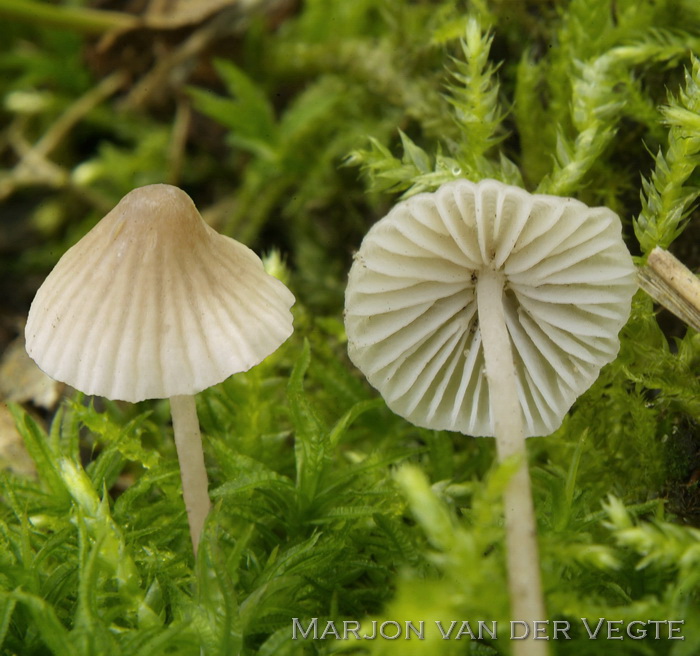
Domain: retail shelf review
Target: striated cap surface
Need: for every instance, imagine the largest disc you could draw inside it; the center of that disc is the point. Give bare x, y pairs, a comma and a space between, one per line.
154, 303
411, 312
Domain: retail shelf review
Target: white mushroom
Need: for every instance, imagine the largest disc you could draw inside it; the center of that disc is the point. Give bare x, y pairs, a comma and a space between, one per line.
153, 303
483, 309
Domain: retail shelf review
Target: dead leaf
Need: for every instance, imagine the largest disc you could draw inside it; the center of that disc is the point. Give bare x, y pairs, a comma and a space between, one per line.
13, 454
173, 14
21, 380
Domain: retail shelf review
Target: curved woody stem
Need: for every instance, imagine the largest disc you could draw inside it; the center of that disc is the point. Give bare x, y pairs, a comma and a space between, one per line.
524, 582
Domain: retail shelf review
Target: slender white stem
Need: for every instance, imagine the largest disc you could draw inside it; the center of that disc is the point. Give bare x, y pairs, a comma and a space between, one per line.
188, 442
524, 584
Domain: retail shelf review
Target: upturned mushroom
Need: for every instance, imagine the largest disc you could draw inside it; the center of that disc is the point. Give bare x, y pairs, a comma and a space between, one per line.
153, 303
487, 310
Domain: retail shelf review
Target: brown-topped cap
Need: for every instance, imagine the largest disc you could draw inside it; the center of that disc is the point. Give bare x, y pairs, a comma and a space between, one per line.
154, 303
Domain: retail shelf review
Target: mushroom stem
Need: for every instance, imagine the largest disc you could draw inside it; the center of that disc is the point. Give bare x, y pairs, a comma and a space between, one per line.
188, 442
524, 583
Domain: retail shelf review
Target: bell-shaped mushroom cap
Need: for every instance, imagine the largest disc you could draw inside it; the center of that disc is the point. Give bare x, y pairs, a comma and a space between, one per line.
154, 303
411, 310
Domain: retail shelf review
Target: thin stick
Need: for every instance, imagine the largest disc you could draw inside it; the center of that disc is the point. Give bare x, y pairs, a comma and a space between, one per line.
178, 140
669, 282
34, 166
188, 442
78, 19
524, 583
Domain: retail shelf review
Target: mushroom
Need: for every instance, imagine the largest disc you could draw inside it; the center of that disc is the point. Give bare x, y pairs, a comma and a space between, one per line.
483, 309
153, 303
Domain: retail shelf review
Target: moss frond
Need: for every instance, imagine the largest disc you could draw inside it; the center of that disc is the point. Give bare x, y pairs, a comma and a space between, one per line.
473, 92
667, 199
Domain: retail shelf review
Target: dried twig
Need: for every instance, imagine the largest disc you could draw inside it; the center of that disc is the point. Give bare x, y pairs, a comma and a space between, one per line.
34, 166
670, 283
80, 19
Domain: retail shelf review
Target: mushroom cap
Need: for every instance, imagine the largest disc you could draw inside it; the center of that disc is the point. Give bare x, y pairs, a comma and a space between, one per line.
154, 303
411, 312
